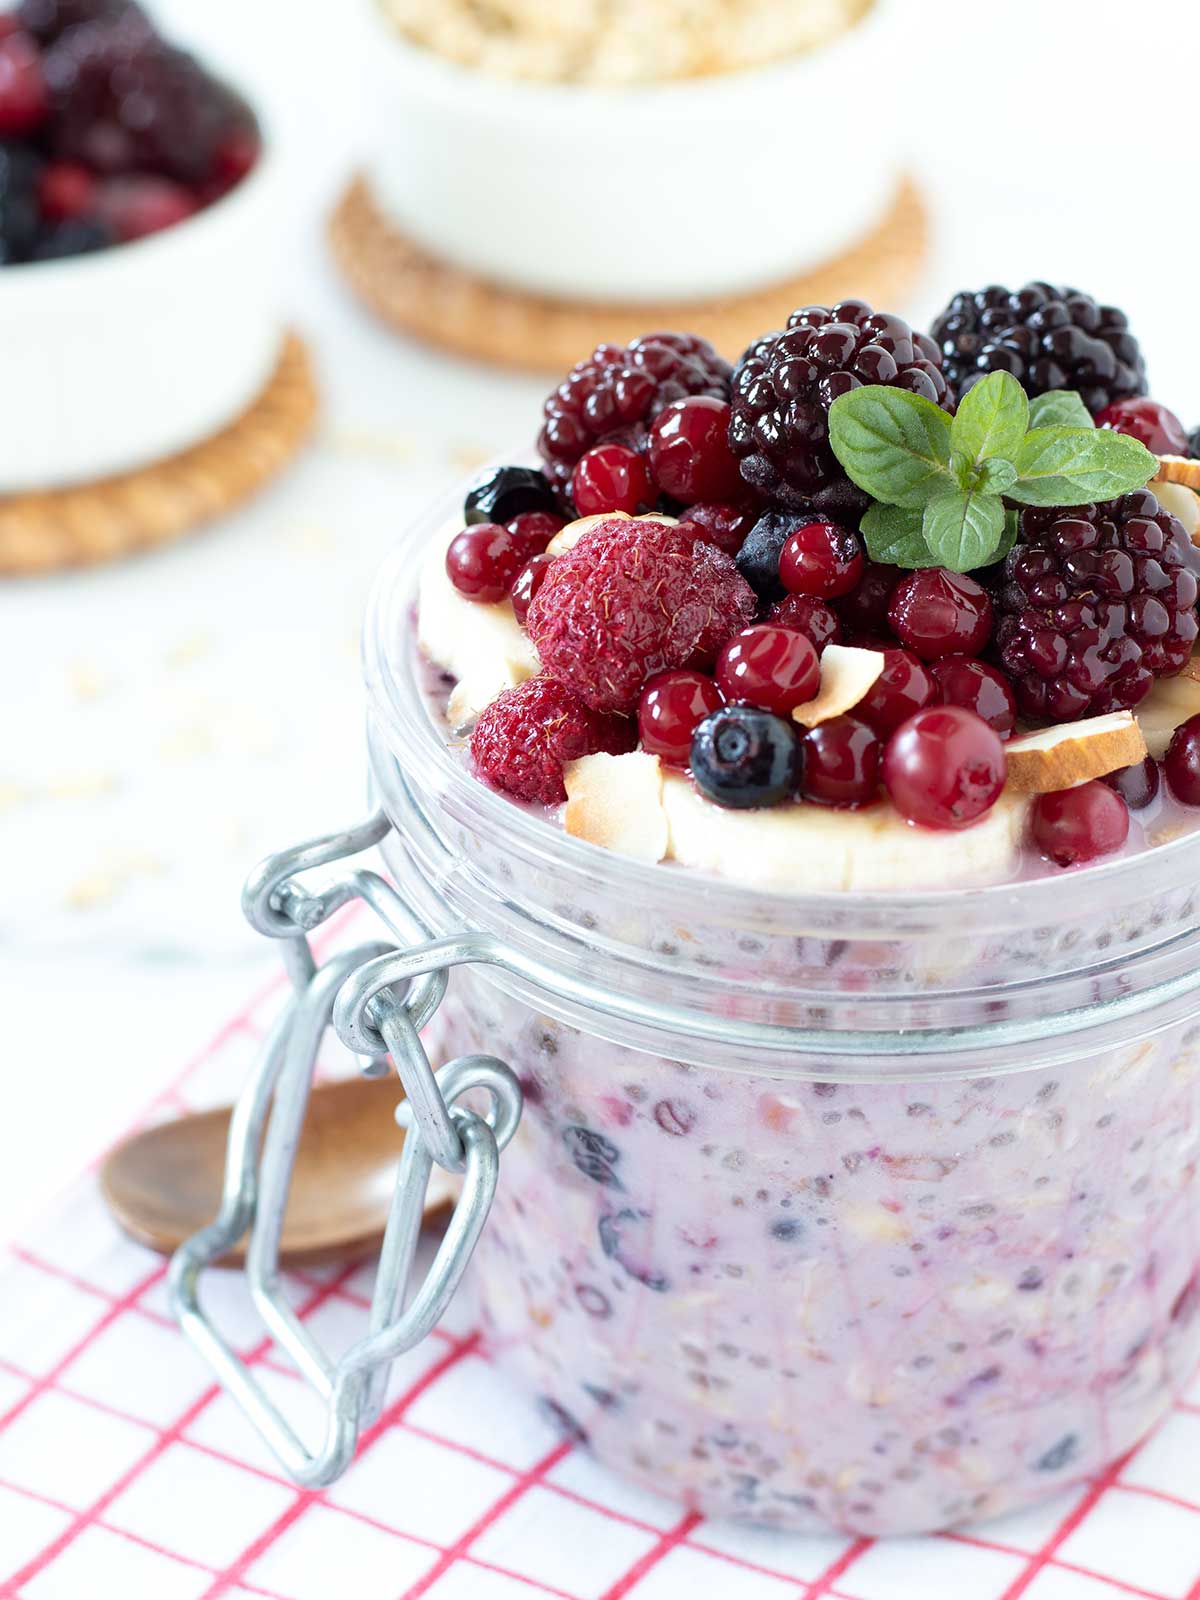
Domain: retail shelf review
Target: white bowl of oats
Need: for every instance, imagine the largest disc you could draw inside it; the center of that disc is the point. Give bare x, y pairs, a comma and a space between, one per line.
631, 151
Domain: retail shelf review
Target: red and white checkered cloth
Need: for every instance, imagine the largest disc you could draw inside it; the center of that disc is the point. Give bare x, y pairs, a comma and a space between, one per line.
125, 1473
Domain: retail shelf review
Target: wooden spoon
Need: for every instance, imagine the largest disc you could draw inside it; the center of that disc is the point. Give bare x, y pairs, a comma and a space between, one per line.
163, 1184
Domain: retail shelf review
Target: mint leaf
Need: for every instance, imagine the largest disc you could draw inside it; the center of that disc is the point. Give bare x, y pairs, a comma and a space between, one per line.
1060, 408
893, 535
995, 476
1070, 466
1012, 526
963, 530
992, 419
893, 444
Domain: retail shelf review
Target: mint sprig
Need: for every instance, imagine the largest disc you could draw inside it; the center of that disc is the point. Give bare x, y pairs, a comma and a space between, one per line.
941, 484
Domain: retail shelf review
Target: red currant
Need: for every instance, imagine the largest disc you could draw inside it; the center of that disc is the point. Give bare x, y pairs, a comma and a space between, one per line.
966, 682
1079, 824
1144, 419
534, 529
1181, 764
611, 477
527, 583
821, 559
904, 687
865, 609
24, 101
774, 668
725, 526
944, 767
940, 613
66, 190
809, 616
841, 761
689, 451
1137, 785
482, 562
673, 705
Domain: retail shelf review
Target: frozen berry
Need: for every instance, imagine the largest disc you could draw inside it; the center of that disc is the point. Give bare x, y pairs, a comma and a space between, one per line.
821, 559
977, 687
758, 559
864, 611
527, 583
904, 687
66, 190
1157, 428
535, 529
1137, 785
726, 526
23, 99
672, 706
19, 216
744, 757
482, 562
944, 767
631, 599
522, 741
689, 451
1075, 825
808, 616
841, 763
134, 208
78, 236
1181, 764
775, 668
609, 478
936, 612
501, 495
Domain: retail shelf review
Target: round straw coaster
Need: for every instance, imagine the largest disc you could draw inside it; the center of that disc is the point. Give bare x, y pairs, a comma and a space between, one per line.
55, 528
417, 294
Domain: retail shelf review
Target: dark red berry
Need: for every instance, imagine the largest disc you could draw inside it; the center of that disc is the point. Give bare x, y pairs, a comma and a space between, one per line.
522, 741
904, 687
672, 706
24, 103
535, 529
1181, 764
1137, 785
611, 478
771, 667
1075, 825
726, 526
483, 561
944, 767
690, 458
1144, 419
821, 559
136, 207
527, 583
936, 612
808, 616
66, 190
841, 763
865, 609
976, 687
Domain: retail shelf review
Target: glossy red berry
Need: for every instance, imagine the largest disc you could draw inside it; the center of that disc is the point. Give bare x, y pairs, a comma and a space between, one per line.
66, 190
1144, 419
821, 559
717, 523
483, 562
944, 767
1181, 764
672, 706
963, 681
24, 102
841, 763
774, 668
1137, 785
138, 206
690, 458
527, 583
1074, 825
534, 529
611, 477
936, 612
904, 687
809, 616
865, 609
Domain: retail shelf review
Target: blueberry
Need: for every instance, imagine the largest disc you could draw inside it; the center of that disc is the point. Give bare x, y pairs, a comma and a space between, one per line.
1059, 1455
787, 1229
593, 1154
508, 492
745, 757
19, 216
625, 1239
77, 237
758, 559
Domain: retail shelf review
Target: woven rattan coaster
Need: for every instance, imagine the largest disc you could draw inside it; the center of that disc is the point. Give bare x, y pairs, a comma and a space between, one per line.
415, 293
100, 521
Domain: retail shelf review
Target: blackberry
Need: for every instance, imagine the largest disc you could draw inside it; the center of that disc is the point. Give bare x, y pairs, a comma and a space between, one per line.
786, 382
1095, 602
619, 390
19, 213
1047, 338
506, 493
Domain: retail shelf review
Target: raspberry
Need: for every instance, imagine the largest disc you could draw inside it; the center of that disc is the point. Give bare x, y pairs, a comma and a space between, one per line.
620, 389
1096, 602
527, 735
1047, 338
786, 382
631, 599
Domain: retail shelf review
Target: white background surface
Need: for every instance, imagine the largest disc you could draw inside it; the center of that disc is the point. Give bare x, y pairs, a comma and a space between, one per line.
166, 722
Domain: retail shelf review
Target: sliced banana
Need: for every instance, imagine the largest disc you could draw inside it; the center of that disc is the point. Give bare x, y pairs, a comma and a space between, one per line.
1170, 702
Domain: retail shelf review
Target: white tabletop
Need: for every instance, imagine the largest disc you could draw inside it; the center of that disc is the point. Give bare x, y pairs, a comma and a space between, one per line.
169, 720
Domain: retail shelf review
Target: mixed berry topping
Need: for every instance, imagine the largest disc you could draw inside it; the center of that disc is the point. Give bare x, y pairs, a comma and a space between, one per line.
522, 741
742, 757
611, 477
939, 613
1080, 824
672, 707
822, 560
944, 767
842, 761
769, 666
1181, 764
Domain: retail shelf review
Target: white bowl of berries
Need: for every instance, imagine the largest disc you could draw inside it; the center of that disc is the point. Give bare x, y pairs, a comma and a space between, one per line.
624, 168
137, 239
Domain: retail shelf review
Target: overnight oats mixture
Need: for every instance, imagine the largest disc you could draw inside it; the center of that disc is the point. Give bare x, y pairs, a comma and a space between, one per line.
874, 616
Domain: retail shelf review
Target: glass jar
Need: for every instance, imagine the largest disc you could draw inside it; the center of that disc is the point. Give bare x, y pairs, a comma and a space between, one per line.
875, 1213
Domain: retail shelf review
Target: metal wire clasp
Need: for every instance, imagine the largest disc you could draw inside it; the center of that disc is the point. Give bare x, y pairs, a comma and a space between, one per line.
375, 1010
